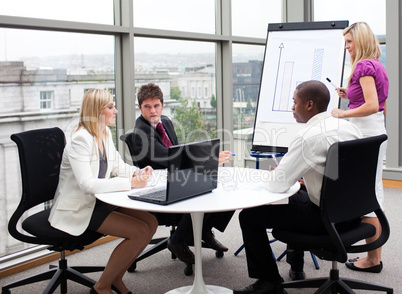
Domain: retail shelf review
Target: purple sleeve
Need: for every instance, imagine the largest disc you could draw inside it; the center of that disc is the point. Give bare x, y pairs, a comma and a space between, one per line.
372, 68
364, 68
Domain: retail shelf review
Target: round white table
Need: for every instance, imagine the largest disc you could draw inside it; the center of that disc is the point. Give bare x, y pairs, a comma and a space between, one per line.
250, 192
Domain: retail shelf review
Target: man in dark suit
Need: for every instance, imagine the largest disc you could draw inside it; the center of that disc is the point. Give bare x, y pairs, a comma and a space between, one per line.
149, 148
154, 133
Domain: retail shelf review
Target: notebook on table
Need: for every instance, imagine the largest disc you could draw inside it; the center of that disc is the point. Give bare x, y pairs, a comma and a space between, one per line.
192, 171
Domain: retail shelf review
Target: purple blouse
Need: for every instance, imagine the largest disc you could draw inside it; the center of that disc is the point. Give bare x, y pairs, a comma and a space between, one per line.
364, 68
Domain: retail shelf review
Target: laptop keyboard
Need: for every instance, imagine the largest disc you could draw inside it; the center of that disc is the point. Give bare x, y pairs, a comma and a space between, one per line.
157, 195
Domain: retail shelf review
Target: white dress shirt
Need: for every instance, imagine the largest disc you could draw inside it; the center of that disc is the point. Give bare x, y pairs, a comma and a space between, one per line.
307, 154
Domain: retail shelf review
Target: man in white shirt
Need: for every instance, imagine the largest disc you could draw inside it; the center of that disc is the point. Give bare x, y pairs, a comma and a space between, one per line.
305, 160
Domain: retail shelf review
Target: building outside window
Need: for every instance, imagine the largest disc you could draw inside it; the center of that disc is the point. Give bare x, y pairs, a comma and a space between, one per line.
113, 92
46, 99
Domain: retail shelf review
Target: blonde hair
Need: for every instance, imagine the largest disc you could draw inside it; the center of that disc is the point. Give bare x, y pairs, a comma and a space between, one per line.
93, 102
366, 43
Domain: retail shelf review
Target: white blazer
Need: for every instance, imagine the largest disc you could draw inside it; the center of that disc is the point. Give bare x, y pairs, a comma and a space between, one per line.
78, 182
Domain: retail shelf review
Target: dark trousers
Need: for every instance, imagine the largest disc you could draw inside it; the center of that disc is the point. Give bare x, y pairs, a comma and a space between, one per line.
218, 220
300, 214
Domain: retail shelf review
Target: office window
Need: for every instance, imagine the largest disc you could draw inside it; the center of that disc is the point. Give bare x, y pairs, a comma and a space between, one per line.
44, 70
251, 18
184, 65
206, 92
247, 69
370, 11
46, 99
180, 15
113, 92
93, 11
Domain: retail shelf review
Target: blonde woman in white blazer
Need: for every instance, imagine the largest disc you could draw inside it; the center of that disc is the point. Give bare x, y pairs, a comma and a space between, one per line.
91, 164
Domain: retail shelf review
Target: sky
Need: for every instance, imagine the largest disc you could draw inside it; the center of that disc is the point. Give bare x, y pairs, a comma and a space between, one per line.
16, 44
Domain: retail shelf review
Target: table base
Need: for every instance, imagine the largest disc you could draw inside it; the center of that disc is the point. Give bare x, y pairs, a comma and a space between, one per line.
210, 289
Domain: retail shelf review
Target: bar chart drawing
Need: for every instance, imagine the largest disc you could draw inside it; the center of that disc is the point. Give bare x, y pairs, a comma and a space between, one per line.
281, 101
317, 64
282, 94
284, 102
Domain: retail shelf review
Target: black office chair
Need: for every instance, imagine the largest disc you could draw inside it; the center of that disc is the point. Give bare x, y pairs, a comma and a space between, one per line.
164, 219
40, 154
348, 193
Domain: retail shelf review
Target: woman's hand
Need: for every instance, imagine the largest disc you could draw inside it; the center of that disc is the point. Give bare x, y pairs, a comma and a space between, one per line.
225, 156
141, 177
341, 92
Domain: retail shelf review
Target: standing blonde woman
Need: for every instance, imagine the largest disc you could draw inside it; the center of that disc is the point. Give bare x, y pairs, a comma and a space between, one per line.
91, 164
367, 92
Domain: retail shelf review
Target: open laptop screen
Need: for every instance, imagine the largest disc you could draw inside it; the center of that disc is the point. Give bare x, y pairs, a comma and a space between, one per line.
193, 169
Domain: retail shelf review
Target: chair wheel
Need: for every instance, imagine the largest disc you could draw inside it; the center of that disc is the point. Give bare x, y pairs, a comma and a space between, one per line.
219, 254
132, 267
188, 270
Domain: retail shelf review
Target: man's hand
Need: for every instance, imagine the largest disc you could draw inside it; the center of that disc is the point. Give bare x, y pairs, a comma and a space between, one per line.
302, 185
225, 156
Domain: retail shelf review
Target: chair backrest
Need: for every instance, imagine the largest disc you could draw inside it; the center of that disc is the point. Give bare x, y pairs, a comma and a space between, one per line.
129, 140
348, 188
40, 153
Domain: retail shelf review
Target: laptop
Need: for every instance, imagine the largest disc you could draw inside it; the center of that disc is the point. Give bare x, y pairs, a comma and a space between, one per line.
192, 171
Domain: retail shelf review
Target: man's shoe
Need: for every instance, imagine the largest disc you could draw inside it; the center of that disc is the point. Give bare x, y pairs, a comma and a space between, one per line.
262, 287
295, 276
210, 241
182, 251
373, 269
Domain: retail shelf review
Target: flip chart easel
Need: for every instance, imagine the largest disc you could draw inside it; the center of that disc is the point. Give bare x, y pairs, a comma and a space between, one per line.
294, 53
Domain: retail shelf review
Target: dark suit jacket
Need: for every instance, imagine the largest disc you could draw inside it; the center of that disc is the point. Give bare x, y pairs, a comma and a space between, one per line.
148, 146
